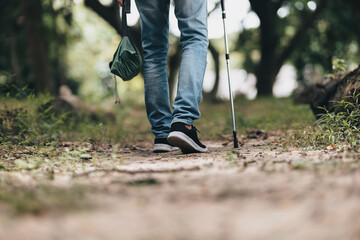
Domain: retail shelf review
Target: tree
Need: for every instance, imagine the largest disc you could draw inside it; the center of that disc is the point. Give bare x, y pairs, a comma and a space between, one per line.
32, 11
336, 35
33, 39
306, 37
58, 28
11, 43
272, 34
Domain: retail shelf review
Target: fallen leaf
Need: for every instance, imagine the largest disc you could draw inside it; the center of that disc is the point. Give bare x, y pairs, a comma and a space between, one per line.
85, 156
332, 147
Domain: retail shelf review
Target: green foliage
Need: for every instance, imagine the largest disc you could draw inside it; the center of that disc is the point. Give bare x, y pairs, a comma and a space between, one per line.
333, 34
339, 65
339, 127
23, 125
15, 65
14, 125
332, 37
19, 126
343, 124
9, 88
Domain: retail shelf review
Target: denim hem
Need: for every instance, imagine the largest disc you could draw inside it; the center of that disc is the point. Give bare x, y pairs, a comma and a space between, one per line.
163, 135
186, 121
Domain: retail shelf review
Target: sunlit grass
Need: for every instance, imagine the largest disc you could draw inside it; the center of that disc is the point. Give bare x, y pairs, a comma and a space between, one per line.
268, 114
338, 127
131, 125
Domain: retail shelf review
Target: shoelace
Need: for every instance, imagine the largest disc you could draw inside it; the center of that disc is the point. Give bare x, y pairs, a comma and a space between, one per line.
193, 127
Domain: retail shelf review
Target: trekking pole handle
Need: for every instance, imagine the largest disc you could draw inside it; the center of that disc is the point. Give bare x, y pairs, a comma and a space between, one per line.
127, 6
223, 9
222, 5
124, 20
125, 9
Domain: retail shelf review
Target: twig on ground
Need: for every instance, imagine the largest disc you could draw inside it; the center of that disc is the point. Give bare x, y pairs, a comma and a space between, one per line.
132, 172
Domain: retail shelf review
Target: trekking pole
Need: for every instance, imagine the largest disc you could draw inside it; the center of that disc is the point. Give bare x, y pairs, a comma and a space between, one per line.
227, 57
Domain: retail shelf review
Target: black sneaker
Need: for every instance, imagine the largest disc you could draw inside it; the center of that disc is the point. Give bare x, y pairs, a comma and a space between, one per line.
162, 145
185, 139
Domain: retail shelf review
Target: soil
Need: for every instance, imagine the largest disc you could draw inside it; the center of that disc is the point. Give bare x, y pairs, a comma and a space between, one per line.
259, 191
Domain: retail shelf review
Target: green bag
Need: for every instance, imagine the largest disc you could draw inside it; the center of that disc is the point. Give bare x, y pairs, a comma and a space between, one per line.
127, 61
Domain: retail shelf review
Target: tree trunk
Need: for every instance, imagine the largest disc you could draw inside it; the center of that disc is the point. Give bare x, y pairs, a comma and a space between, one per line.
59, 70
269, 40
330, 91
211, 96
266, 73
267, 69
41, 67
272, 56
14, 59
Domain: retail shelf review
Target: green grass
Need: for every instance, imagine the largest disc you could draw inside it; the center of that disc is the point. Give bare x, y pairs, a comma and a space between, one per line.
22, 123
339, 127
268, 114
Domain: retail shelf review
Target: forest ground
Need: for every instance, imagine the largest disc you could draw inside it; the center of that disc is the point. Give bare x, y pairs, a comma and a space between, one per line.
263, 190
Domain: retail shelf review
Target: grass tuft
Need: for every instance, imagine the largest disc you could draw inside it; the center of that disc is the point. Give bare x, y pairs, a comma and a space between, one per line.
338, 127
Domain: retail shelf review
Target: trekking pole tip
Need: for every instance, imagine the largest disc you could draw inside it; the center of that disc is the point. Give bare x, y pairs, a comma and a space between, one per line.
236, 143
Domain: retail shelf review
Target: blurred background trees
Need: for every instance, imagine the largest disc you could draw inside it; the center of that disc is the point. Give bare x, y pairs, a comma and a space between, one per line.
34, 38
306, 34
45, 43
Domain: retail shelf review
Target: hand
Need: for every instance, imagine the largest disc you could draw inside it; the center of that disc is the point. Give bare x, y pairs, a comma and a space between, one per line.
120, 2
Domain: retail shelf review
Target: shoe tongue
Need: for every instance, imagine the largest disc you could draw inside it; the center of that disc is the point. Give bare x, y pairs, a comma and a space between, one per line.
191, 127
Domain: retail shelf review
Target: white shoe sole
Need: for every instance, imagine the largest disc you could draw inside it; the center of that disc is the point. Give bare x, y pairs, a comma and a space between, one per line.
161, 147
184, 142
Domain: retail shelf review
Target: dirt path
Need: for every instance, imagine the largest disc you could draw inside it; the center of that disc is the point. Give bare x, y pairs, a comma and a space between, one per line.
260, 191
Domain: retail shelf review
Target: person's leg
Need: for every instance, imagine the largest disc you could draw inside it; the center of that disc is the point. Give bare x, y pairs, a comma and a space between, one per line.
192, 21
154, 15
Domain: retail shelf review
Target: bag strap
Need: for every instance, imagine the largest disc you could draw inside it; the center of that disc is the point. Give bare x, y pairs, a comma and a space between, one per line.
116, 92
125, 9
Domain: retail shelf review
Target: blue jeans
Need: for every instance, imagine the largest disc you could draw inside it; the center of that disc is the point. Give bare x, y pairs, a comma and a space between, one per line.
192, 22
